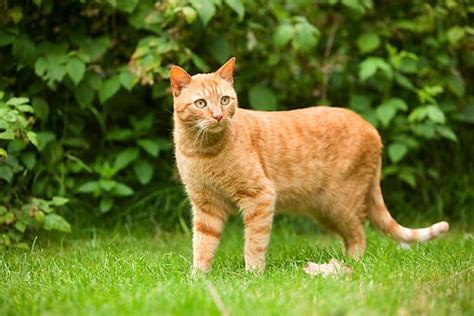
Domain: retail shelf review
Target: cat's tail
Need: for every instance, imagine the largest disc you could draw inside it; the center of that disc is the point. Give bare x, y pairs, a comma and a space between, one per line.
380, 216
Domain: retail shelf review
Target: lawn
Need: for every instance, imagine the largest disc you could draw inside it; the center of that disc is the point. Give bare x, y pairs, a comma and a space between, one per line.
139, 272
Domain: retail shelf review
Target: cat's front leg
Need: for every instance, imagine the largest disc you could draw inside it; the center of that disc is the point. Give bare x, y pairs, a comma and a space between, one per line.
258, 218
208, 223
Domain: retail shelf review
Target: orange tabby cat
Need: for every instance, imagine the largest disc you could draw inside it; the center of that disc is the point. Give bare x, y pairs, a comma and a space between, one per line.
321, 161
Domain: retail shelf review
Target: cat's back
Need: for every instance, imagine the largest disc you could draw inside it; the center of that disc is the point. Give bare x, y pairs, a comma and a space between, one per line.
321, 121
300, 148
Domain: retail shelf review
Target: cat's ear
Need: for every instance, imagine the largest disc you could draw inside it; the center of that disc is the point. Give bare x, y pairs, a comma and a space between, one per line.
227, 70
179, 78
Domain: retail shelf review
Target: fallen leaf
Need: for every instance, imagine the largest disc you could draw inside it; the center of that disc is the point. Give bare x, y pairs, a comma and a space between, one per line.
333, 267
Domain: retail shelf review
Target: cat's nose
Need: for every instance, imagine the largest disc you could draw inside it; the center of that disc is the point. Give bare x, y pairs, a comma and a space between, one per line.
218, 116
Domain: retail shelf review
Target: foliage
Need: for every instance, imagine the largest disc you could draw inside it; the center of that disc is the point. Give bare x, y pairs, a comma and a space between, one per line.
97, 76
16, 161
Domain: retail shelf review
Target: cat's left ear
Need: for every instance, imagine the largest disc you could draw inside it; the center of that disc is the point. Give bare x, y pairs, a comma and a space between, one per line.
227, 70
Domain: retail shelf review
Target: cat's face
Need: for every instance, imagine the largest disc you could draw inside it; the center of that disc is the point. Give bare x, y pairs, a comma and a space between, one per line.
204, 101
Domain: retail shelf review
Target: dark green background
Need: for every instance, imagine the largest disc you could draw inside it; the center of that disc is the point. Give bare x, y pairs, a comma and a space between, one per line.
96, 74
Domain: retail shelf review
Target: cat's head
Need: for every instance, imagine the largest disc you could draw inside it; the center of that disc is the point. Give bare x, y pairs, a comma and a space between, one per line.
204, 101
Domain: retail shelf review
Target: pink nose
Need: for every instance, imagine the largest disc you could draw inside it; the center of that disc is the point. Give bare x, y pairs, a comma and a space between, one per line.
218, 117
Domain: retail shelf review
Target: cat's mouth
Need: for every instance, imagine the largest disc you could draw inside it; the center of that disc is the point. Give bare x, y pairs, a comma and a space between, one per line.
215, 128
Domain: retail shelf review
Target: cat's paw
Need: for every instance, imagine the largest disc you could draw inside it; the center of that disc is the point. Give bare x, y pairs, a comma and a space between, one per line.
404, 245
198, 273
255, 268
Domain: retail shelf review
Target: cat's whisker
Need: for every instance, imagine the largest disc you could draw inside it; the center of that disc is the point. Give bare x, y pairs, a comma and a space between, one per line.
191, 129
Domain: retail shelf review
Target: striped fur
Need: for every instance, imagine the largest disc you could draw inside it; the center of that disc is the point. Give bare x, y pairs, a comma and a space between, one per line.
321, 162
380, 216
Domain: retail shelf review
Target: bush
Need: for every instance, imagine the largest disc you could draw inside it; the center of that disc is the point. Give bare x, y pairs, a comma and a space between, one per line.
16, 159
97, 76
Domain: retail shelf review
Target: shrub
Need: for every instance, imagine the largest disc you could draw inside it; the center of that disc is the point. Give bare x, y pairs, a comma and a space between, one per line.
96, 73
16, 159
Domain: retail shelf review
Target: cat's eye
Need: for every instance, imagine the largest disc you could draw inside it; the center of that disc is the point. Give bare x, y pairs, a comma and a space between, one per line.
225, 100
200, 103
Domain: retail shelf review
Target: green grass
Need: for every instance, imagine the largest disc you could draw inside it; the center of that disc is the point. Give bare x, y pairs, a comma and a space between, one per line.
125, 272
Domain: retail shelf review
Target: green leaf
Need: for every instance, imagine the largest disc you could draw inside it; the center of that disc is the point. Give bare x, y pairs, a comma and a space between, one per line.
8, 134
24, 49
28, 159
16, 14
89, 187
32, 138
44, 138
467, 114
16, 146
456, 84
368, 42
387, 110
20, 226
150, 146
120, 134
41, 66
84, 94
360, 102
408, 178
59, 201
262, 98
455, 34
355, 5
144, 124
56, 222
3, 153
306, 35
5, 38
125, 157
189, 14
122, 190
107, 184
403, 81
371, 65
106, 204
424, 130
94, 47
127, 79
6, 173
76, 69
385, 114
435, 114
397, 151
144, 171
25, 108
219, 48
109, 88
41, 108
198, 62
237, 6
447, 133
40, 216
205, 9
18, 101
126, 5
283, 35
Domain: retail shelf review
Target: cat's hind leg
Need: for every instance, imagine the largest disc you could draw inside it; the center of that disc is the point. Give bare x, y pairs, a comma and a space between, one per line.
347, 223
354, 239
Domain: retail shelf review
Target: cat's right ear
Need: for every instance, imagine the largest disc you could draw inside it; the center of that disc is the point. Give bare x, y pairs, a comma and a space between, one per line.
179, 78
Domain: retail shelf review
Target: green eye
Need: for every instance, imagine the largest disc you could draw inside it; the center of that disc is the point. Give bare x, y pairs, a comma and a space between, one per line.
225, 100
200, 103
